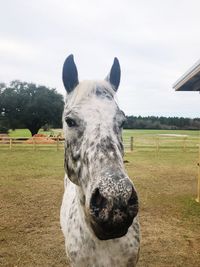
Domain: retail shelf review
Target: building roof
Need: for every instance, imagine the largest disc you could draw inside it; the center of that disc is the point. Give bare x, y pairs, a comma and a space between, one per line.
189, 81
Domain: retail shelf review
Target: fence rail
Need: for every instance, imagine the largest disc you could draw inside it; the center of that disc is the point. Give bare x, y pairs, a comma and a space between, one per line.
33, 143
131, 143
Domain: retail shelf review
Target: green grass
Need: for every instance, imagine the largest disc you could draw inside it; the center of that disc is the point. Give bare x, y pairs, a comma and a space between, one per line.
20, 133
126, 133
142, 132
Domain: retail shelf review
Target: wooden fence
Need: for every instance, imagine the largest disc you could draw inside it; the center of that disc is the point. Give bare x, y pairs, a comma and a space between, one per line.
143, 143
31, 143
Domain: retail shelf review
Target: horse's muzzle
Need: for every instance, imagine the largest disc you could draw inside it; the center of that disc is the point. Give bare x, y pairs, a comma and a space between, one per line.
111, 218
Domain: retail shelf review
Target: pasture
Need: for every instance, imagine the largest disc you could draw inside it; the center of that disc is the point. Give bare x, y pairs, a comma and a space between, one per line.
31, 188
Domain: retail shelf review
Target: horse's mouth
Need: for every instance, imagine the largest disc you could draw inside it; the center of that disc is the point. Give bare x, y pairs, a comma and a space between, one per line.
111, 233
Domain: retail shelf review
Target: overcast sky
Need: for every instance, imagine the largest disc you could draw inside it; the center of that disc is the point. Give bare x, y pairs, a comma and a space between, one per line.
155, 42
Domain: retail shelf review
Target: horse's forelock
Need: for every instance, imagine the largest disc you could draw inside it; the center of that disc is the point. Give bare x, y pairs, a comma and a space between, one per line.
86, 89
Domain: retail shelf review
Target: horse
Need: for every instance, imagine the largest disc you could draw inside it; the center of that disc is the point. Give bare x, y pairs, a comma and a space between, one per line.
99, 211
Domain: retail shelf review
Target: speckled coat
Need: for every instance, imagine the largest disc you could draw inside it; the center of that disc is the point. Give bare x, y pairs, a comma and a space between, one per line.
94, 159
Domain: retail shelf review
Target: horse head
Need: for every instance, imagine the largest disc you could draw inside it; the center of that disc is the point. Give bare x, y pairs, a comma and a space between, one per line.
93, 126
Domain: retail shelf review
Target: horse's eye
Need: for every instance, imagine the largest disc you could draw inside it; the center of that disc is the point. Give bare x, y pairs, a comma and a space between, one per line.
70, 122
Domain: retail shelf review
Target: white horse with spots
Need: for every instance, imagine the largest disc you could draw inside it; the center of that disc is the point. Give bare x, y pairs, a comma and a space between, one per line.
100, 203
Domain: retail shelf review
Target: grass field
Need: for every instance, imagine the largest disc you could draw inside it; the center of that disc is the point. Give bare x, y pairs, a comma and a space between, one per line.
127, 133
31, 188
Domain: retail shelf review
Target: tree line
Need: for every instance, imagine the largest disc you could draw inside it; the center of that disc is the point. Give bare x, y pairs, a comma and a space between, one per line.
165, 123
31, 106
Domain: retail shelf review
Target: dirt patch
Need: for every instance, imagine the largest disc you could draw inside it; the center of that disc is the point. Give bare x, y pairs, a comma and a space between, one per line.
40, 139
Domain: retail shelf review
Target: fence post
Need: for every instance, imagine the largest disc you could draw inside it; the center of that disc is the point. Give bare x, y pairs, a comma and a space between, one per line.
131, 143
10, 143
57, 143
198, 178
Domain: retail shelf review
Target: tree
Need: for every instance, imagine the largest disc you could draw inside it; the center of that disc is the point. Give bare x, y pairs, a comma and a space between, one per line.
3, 121
27, 105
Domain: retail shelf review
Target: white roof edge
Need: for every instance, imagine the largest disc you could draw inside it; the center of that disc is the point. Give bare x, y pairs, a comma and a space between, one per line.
187, 75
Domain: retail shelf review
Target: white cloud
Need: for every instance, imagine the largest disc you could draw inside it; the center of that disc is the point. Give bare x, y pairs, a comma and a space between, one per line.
155, 41
11, 48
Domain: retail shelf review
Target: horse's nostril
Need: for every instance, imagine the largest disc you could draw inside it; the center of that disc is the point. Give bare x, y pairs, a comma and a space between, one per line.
133, 200
98, 202
133, 204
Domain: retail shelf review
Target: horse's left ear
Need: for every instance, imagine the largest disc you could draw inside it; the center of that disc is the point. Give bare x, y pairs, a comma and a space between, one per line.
114, 76
70, 74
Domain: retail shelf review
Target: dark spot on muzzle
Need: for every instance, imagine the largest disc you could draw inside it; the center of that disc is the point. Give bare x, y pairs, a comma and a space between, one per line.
111, 218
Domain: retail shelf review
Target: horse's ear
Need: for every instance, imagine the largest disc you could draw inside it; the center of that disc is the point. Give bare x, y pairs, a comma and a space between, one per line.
114, 76
70, 74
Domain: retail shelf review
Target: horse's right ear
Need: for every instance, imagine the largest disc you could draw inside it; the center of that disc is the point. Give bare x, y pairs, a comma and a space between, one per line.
70, 74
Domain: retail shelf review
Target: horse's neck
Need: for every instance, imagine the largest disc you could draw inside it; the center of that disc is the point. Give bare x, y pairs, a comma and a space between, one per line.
75, 192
